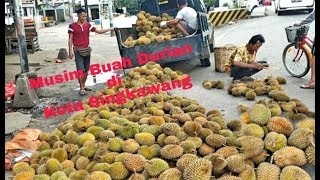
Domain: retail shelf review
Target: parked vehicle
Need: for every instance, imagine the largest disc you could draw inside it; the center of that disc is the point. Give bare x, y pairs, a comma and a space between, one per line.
282, 6
202, 42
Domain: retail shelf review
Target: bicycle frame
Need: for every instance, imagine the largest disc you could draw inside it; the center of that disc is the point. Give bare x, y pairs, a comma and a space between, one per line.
305, 43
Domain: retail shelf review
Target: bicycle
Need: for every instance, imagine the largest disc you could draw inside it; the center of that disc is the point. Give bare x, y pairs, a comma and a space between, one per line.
294, 54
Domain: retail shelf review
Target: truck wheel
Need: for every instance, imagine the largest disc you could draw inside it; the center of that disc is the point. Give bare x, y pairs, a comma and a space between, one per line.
205, 62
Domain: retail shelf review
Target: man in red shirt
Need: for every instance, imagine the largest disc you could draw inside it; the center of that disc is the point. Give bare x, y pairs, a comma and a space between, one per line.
79, 45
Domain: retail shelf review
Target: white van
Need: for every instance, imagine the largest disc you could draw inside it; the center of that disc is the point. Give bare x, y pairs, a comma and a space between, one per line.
286, 5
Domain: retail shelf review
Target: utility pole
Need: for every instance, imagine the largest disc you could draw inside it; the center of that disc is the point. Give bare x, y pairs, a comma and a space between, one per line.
19, 25
86, 7
110, 15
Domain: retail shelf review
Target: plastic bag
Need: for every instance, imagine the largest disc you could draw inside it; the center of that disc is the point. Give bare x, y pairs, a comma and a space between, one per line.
10, 90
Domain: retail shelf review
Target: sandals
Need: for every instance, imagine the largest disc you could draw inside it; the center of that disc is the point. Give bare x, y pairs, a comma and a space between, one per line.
82, 92
308, 86
87, 89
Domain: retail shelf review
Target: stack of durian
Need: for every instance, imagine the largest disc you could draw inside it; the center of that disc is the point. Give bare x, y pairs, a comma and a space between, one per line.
257, 87
149, 30
207, 84
162, 137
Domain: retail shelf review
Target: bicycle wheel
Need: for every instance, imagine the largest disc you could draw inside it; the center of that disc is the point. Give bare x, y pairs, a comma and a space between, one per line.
295, 60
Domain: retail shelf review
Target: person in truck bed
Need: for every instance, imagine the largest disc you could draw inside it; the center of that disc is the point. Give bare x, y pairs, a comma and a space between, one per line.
185, 21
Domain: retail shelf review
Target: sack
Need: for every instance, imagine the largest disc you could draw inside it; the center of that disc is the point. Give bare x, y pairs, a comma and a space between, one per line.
83, 51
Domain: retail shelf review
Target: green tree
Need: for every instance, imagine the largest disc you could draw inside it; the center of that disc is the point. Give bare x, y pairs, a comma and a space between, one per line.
209, 2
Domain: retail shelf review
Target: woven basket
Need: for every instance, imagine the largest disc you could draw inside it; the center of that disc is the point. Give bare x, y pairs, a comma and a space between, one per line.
221, 55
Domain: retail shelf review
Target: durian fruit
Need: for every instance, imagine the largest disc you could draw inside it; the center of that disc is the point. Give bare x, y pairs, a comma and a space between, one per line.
82, 163
218, 162
205, 149
53, 165
220, 84
219, 120
170, 128
229, 177
95, 130
100, 167
153, 129
171, 152
294, 172
25, 175
185, 160
155, 167
118, 171
172, 173
60, 154
310, 154
198, 170
234, 125
80, 174
134, 162
301, 138
145, 138
225, 132
115, 144
85, 137
280, 125
281, 80
99, 175
267, 171
41, 177
236, 163
275, 141
279, 95
171, 140
137, 176
213, 126
215, 140
188, 147
275, 109
307, 123
147, 151
70, 137
67, 164
128, 130
251, 95
251, 145
130, 146
106, 134
289, 155
207, 85
192, 128
259, 114
20, 167
260, 158
57, 175
252, 130
121, 157
300, 116
227, 151
248, 174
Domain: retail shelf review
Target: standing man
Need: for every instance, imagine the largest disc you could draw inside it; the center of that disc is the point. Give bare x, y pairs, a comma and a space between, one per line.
79, 45
241, 64
185, 21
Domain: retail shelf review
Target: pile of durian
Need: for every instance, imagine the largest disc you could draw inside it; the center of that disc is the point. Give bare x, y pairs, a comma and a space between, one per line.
149, 30
257, 87
210, 84
168, 137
